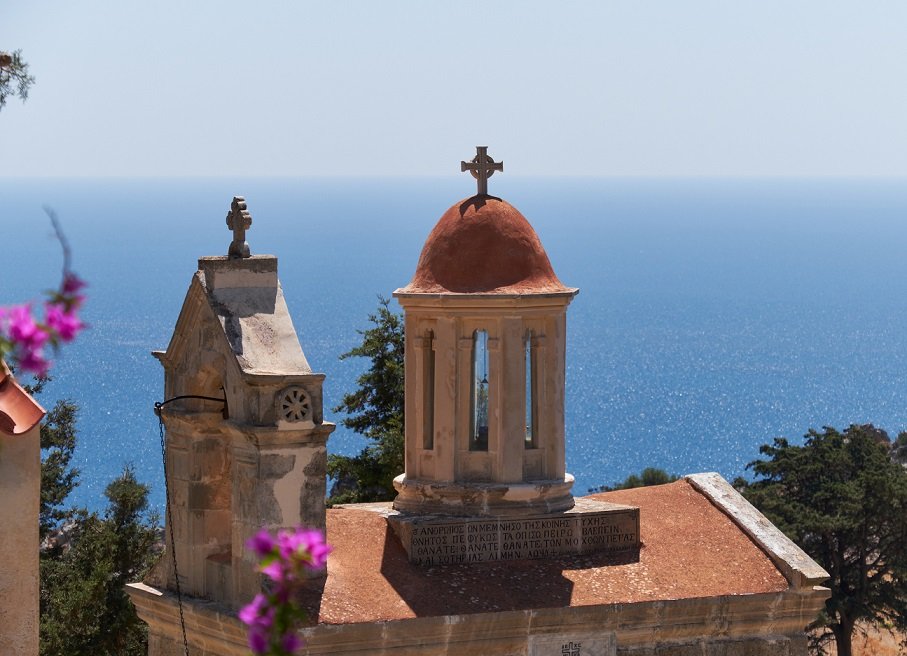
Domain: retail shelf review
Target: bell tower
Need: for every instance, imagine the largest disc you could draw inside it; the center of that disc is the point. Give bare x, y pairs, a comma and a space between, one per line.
485, 361
245, 434
486, 321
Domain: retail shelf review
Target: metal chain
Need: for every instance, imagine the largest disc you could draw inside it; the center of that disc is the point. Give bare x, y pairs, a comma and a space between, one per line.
176, 573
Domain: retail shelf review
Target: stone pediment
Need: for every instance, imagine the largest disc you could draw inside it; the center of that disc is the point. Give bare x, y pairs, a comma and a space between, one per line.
239, 307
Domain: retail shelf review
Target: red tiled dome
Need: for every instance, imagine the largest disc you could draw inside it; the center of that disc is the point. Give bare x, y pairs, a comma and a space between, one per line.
483, 245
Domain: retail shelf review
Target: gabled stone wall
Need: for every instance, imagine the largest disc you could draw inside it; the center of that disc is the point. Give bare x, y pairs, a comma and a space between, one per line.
252, 454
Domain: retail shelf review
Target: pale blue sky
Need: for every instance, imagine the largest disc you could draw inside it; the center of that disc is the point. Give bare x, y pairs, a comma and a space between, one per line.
406, 88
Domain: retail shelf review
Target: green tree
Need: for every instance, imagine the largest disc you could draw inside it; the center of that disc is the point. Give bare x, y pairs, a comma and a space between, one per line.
648, 476
58, 478
84, 607
58, 443
14, 77
844, 501
374, 410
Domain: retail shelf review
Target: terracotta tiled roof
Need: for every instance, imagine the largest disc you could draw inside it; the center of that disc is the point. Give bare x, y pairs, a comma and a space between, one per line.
690, 549
19, 412
483, 245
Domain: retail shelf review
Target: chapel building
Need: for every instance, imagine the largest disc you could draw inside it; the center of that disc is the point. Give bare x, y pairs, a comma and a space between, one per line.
485, 550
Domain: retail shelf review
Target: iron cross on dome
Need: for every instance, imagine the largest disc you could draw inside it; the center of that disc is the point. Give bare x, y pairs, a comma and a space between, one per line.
482, 167
238, 220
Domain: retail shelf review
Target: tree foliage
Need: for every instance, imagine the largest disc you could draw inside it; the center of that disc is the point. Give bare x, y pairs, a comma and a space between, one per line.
88, 558
843, 499
58, 478
84, 607
58, 444
375, 410
14, 77
648, 476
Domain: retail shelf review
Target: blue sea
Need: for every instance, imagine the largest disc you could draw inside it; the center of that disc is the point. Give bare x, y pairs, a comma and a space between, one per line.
713, 314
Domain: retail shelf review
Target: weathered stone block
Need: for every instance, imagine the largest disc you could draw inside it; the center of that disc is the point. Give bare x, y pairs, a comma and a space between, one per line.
218, 576
589, 527
205, 496
275, 465
209, 459
314, 490
161, 645
679, 650
218, 527
177, 463
573, 644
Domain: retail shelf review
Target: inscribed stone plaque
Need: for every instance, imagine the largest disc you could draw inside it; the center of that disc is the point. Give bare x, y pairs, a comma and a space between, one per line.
573, 644
590, 527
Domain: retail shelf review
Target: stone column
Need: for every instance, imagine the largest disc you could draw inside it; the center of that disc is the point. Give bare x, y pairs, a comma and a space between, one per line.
20, 492
512, 401
462, 395
555, 351
413, 369
445, 445
496, 426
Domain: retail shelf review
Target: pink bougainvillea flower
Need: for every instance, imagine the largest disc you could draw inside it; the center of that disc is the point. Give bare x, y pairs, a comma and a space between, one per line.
261, 543
27, 337
259, 616
276, 571
274, 616
311, 543
72, 284
23, 329
290, 642
286, 544
63, 322
22, 337
258, 641
34, 361
305, 547
255, 611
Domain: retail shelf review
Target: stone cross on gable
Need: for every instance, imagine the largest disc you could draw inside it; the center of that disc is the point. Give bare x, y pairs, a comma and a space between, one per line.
482, 167
239, 220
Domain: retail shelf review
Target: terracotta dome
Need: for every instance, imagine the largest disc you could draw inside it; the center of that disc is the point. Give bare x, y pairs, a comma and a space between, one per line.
483, 245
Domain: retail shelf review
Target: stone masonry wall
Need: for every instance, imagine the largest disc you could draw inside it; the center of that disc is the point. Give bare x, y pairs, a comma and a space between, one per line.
20, 480
746, 625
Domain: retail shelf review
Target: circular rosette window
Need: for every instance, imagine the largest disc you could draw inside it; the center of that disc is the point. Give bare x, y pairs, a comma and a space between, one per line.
294, 404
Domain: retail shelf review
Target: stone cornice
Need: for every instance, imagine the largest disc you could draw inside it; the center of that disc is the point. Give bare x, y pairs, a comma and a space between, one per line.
263, 378
480, 301
272, 436
796, 565
680, 621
